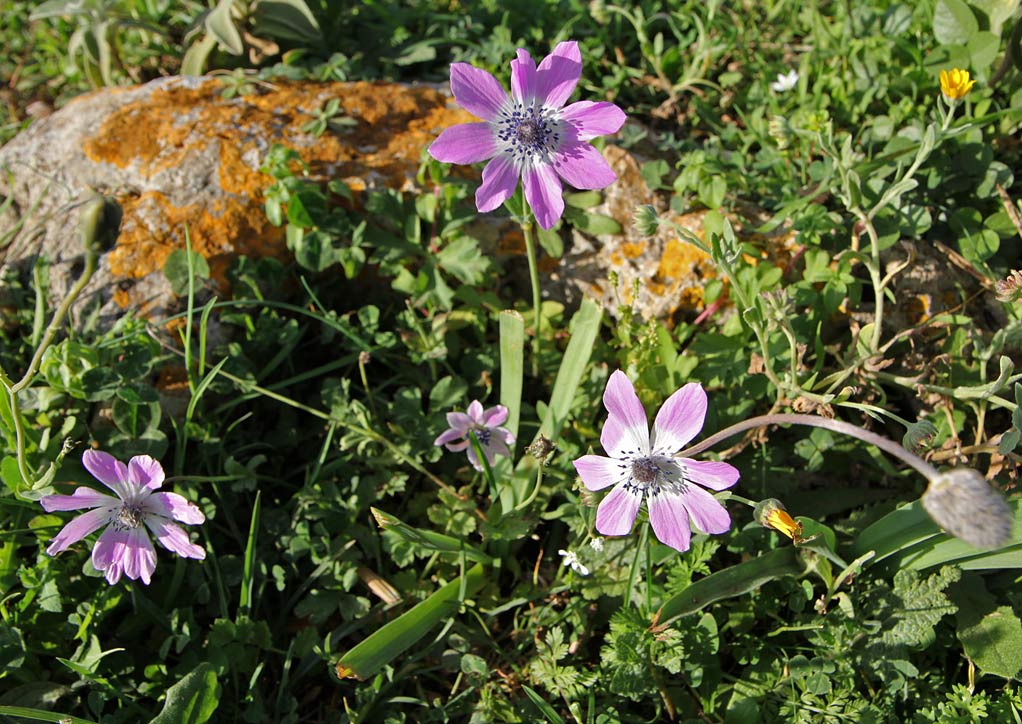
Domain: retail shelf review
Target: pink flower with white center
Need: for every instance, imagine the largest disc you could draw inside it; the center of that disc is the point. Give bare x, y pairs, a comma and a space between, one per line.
642, 465
530, 134
485, 425
124, 547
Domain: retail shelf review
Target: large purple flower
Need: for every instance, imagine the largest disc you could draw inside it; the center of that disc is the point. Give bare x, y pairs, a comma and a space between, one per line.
485, 425
124, 547
642, 464
530, 135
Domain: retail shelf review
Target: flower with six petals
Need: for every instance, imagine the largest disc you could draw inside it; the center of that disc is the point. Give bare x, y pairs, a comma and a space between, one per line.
642, 466
530, 134
124, 547
485, 425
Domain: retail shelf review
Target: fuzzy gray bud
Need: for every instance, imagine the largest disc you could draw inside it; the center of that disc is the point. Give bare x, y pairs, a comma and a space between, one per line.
968, 507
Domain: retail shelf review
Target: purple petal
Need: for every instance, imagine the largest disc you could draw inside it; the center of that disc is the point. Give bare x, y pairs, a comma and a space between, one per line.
144, 471
495, 416
558, 74
583, 166
500, 177
475, 412
81, 526
679, 420
543, 192
626, 432
707, 513
598, 472
477, 91
172, 505
505, 435
108, 470
474, 459
523, 76
591, 119
82, 497
456, 446
448, 436
459, 421
125, 551
464, 143
174, 539
710, 474
494, 448
616, 514
669, 518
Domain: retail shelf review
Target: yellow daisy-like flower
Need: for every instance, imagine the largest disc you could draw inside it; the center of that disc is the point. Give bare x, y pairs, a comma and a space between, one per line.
955, 83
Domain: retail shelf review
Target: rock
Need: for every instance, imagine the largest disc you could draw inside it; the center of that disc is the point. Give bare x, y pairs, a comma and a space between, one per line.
668, 273
176, 154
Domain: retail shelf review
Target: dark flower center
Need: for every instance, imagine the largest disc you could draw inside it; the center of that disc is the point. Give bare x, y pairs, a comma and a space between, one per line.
645, 471
528, 131
482, 435
130, 517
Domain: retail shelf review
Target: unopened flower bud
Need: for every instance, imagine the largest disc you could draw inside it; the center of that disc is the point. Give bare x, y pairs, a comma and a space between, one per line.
1009, 290
646, 220
780, 130
541, 448
965, 505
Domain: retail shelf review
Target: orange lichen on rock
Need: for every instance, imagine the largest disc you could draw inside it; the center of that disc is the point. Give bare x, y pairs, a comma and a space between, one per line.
182, 125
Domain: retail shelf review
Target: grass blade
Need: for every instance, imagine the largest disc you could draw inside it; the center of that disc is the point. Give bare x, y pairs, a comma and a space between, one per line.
402, 633
512, 367
734, 581
584, 326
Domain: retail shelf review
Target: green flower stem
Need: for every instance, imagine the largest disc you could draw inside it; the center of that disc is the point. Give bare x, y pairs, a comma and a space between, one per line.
634, 569
530, 252
91, 216
844, 428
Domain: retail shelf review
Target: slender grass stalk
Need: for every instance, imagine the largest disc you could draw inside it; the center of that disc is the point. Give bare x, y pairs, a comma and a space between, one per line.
537, 301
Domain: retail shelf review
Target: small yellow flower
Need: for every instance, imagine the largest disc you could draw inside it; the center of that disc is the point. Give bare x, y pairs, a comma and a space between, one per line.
780, 520
770, 513
954, 84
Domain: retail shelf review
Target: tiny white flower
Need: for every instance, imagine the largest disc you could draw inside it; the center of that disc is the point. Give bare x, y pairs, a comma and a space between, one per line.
571, 559
596, 544
785, 82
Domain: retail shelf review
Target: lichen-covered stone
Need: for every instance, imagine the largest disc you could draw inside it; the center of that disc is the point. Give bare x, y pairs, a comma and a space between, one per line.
668, 272
177, 155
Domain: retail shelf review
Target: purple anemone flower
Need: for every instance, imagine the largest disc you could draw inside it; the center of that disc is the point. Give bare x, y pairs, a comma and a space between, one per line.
485, 425
124, 547
642, 464
530, 134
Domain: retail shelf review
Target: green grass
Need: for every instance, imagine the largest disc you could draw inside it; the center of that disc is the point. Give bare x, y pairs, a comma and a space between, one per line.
337, 374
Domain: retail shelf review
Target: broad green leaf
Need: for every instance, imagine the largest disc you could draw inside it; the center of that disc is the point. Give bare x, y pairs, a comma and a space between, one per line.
512, 366
192, 700
584, 326
396, 637
286, 20
998, 11
221, 26
194, 62
990, 634
177, 271
953, 22
734, 581
897, 531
